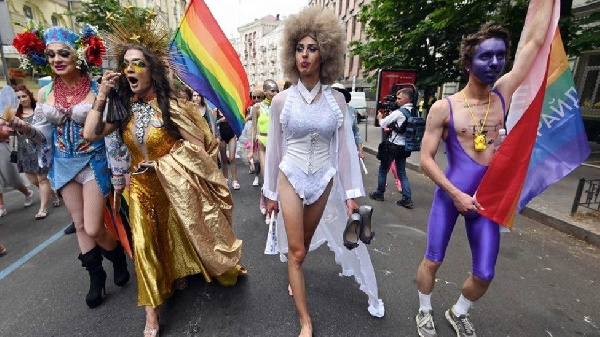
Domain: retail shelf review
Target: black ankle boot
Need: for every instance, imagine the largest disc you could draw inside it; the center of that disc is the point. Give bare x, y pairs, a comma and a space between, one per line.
117, 257
92, 261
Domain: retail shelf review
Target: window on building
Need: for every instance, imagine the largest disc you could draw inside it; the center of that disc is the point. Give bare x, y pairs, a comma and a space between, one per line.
28, 12
54, 19
590, 84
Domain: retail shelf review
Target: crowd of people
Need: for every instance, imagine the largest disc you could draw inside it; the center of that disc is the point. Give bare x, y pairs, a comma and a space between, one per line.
131, 137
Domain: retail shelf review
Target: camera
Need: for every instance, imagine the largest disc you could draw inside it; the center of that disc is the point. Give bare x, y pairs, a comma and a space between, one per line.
386, 106
389, 103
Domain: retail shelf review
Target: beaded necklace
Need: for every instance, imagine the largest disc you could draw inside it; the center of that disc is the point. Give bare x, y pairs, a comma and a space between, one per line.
143, 113
78, 92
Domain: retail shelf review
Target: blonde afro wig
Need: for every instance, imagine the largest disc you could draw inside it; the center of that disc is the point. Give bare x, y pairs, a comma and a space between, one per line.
323, 26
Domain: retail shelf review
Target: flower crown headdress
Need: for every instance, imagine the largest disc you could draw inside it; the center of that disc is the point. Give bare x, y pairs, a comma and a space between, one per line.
31, 44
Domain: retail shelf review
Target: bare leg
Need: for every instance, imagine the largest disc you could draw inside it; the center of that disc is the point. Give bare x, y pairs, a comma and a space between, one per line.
93, 215
45, 190
224, 159
426, 276
32, 179
72, 194
231, 146
151, 321
474, 287
261, 159
300, 224
23, 190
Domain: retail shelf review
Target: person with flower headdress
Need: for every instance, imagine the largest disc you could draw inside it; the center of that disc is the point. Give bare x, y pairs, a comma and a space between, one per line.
77, 168
180, 206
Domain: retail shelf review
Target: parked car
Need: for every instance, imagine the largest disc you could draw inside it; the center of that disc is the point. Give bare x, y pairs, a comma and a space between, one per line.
359, 103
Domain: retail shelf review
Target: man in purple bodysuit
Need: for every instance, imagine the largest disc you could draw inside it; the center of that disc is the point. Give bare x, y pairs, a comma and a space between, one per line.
468, 122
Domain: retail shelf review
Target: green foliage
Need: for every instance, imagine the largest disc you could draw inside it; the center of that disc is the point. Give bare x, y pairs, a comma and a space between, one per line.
425, 35
583, 32
100, 12
95, 12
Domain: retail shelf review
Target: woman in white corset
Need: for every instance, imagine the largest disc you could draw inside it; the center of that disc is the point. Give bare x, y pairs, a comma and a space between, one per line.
312, 165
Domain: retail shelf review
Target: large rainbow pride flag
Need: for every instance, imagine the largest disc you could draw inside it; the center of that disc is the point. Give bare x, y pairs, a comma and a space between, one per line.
207, 62
546, 139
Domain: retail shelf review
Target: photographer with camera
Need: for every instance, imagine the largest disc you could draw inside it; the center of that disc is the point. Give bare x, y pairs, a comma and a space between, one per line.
392, 148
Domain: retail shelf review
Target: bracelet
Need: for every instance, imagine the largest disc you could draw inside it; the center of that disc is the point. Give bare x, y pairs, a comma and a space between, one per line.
117, 180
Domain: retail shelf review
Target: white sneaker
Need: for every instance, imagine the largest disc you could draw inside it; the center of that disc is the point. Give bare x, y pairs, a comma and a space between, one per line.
255, 182
3, 212
28, 199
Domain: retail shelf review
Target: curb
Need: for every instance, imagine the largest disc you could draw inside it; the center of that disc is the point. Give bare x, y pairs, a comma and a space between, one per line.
532, 213
562, 225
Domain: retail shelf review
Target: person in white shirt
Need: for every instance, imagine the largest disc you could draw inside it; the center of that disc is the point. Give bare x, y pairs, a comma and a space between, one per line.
397, 154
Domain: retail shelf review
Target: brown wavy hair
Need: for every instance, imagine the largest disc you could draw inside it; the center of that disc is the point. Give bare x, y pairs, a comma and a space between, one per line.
22, 87
469, 44
323, 26
160, 80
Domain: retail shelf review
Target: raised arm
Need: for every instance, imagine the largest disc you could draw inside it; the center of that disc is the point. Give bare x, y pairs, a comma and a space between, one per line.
533, 38
95, 128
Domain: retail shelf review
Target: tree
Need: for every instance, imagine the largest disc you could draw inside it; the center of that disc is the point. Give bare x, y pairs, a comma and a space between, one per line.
99, 13
426, 35
95, 12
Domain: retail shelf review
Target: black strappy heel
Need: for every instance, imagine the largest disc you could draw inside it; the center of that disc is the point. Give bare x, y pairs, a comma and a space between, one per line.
352, 231
366, 233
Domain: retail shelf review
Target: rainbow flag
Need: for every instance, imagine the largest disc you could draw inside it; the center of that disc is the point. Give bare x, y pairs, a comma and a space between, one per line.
206, 61
546, 139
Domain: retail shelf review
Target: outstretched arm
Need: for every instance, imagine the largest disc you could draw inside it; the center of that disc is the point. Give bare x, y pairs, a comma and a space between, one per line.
533, 39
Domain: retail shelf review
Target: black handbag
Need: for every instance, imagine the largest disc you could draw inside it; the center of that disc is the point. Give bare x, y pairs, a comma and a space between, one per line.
14, 157
383, 150
387, 149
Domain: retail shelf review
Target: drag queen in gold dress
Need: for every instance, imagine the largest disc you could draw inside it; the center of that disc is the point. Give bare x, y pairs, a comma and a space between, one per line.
180, 206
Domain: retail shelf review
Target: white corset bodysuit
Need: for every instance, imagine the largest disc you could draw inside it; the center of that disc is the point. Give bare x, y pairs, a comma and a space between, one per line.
307, 161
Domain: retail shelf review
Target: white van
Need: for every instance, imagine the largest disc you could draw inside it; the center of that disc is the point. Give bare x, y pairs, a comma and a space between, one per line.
359, 102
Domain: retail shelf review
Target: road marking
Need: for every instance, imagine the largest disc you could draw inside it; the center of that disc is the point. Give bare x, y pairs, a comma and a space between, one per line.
4, 273
406, 227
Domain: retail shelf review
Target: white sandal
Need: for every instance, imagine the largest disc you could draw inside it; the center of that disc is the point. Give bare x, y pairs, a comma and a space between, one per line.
153, 332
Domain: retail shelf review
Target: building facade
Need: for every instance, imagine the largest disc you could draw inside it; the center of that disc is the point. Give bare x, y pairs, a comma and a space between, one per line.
347, 11
54, 13
259, 49
587, 76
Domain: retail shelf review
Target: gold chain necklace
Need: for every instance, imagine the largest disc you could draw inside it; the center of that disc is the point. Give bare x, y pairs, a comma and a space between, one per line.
479, 141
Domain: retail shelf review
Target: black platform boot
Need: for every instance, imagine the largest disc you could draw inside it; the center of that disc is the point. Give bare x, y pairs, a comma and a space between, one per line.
92, 262
117, 257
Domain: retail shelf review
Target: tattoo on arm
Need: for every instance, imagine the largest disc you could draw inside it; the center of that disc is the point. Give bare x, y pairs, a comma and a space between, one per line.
99, 124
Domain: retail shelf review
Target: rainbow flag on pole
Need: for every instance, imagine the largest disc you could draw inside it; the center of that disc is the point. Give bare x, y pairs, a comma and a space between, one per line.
207, 62
546, 139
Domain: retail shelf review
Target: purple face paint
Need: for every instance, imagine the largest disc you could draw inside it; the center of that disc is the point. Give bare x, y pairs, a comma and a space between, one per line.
489, 60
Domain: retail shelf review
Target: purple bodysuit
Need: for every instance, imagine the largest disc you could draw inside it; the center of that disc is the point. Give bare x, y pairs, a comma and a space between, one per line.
483, 234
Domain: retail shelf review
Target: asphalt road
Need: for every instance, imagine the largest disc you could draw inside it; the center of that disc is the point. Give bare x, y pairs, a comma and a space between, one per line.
547, 283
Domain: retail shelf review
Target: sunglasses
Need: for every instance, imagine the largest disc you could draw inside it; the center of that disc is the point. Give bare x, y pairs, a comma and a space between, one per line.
62, 53
136, 65
258, 97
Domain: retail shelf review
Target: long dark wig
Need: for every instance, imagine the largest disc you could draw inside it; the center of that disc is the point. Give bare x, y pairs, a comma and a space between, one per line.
160, 81
22, 87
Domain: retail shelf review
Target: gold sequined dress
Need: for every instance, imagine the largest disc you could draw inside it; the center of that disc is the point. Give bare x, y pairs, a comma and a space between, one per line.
180, 214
